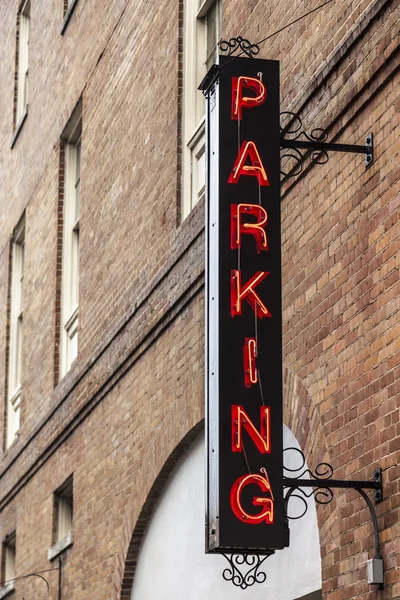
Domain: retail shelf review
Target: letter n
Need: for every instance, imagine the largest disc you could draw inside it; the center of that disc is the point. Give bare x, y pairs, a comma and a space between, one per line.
262, 438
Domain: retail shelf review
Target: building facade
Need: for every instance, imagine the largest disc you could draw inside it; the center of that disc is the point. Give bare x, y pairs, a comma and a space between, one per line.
102, 194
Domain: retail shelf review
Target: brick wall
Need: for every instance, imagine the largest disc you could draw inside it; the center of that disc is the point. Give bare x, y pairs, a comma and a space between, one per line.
136, 389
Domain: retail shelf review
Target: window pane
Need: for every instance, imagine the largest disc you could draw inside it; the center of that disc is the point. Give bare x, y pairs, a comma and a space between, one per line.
18, 361
70, 283
198, 171
64, 517
202, 32
77, 180
201, 173
72, 346
64, 509
23, 61
211, 34
16, 335
9, 567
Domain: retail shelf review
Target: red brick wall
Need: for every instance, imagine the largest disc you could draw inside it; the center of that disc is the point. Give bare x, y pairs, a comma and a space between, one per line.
137, 387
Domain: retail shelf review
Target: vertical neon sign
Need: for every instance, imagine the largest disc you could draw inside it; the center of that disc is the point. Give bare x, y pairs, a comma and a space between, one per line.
244, 331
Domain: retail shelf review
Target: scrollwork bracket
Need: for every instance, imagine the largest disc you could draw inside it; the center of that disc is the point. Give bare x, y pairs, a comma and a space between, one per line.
297, 145
239, 45
244, 569
321, 484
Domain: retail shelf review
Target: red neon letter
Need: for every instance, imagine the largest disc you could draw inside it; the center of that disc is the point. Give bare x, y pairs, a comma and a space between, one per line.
267, 504
256, 169
256, 229
239, 101
238, 293
241, 419
249, 360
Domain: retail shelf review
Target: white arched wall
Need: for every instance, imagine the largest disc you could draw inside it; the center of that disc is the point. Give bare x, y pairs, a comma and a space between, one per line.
172, 564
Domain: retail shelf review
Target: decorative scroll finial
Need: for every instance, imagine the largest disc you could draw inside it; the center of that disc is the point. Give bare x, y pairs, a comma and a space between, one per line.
292, 159
314, 146
243, 570
239, 45
322, 472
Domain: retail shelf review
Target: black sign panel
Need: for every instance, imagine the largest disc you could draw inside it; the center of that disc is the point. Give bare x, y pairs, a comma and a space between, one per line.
244, 331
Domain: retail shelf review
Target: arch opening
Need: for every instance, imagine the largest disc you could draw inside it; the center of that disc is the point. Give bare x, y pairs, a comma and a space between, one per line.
172, 563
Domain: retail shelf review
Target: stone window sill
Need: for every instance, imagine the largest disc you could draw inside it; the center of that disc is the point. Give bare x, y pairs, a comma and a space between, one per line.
7, 589
60, 546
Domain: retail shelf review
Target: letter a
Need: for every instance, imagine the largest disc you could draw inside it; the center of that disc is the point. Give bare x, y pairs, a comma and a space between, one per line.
256, 169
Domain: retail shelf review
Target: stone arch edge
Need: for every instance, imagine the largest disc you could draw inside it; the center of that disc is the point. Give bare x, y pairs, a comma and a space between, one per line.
133, 532
302, 416
299, 414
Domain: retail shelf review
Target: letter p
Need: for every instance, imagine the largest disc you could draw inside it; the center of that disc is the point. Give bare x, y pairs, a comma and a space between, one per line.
239, 84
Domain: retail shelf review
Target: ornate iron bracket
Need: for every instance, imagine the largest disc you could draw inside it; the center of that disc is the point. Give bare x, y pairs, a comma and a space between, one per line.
321, 484
233, 47
243, 570
327, 146
239, 45
249, 564
315, 145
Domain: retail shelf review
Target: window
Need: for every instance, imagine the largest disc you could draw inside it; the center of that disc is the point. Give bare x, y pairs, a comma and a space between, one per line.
64, 509
202, 33
63, 518
8, 564
183, 495
16, 328
70, 262
22, 62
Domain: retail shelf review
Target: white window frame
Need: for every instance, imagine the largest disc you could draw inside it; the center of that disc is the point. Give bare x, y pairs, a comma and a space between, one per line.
196, 147
9, 570
70, 262
23, 62
63, 519
195, 67
64, 498
16, 334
